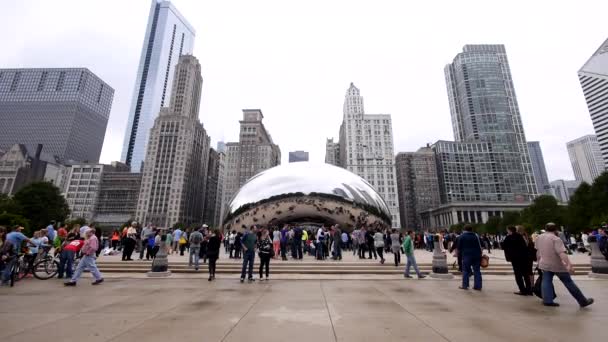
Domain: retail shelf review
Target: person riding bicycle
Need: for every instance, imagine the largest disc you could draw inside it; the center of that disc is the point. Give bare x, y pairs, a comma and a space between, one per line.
8, 255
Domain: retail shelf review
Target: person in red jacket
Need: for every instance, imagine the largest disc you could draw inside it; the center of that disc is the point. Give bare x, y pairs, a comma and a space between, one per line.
66, 259
88, 251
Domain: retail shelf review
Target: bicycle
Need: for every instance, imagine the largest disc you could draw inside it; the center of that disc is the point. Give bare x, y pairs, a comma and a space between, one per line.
47, 266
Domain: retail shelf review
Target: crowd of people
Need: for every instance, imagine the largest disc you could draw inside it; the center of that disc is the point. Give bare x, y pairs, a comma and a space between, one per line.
547, 248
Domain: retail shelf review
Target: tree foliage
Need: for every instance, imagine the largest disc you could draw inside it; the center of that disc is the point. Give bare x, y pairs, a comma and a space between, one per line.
41, 203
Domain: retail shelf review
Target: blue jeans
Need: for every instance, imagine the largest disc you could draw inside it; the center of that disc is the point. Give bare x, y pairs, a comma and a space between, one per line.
6, 272
66, 264
248, 258
548, 292
194, 252
88, 262
475, 263
411, 261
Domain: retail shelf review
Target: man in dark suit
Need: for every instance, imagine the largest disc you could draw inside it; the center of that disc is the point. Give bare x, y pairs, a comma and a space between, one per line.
516, 252
469, 247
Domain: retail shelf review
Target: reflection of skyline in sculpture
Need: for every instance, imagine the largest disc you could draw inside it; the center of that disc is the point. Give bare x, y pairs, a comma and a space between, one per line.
307, 192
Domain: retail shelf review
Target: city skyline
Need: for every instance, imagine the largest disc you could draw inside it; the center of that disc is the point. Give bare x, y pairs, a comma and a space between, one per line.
391, 78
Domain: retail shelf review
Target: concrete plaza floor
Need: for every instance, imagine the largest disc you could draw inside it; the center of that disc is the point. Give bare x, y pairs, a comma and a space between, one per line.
193, 309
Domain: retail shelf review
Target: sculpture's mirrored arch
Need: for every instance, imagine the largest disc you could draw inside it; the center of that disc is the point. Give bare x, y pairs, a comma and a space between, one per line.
305, 192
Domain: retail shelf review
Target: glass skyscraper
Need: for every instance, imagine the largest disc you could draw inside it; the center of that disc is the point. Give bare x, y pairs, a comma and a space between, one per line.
168, 36
538, 166
489, 160
594, 81
64, 109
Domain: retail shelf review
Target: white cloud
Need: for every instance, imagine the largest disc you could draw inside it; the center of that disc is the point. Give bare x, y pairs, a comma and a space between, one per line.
294, 60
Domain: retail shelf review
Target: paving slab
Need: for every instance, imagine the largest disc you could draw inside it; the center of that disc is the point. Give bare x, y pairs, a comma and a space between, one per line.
318, 310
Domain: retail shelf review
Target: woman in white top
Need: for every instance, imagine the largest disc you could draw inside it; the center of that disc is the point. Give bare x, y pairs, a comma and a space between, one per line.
276, 242
379, 244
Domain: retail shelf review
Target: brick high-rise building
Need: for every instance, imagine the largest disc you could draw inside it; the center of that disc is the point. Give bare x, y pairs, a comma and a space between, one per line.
175, 168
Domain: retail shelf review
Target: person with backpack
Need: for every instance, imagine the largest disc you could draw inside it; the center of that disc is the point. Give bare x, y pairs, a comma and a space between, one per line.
195, 245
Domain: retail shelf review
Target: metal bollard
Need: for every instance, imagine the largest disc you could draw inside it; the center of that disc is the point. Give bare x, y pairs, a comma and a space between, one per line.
440, 261
599, 264
160, 264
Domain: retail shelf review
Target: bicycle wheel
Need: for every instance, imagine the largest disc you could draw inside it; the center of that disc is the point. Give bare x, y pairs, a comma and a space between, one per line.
46, 268
22, 269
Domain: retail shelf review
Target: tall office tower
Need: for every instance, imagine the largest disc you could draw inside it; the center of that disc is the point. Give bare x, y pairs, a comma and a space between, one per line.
586, 158
219, 196
298, 156
213, 169
594, 81
538, 167
65, 110
487, 170
417, 185
168, 36
175, 168
366, 149
562, 189
255, 152
484, 110
332, 152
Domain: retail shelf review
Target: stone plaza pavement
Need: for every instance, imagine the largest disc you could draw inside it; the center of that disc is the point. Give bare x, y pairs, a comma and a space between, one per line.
193, 309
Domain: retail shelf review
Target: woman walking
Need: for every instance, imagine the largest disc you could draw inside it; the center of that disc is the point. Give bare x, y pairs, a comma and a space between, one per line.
213, 252
264, 250
276, 241
396, 247
379, 244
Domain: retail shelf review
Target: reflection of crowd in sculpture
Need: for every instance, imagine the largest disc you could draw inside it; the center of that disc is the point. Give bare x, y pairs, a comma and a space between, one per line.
286, 209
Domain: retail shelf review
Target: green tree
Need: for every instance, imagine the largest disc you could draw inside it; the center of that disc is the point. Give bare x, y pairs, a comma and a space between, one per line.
509, 218
9, 220
599, 197
544, 209
578, 214
41, 203
492, 225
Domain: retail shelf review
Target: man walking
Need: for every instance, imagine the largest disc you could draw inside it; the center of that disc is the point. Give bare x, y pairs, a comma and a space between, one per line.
552, 260
177, 234
469, 246
249, 241
408, 250
195, 247
88, 260
516, 252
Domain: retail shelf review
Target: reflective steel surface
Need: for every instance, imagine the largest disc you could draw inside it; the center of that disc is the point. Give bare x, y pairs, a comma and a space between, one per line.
306, 192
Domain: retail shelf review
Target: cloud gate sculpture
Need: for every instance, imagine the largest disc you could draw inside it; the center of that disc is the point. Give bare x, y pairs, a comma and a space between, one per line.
306, 193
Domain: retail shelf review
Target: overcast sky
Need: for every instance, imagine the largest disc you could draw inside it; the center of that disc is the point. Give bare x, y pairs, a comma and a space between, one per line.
295, 60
